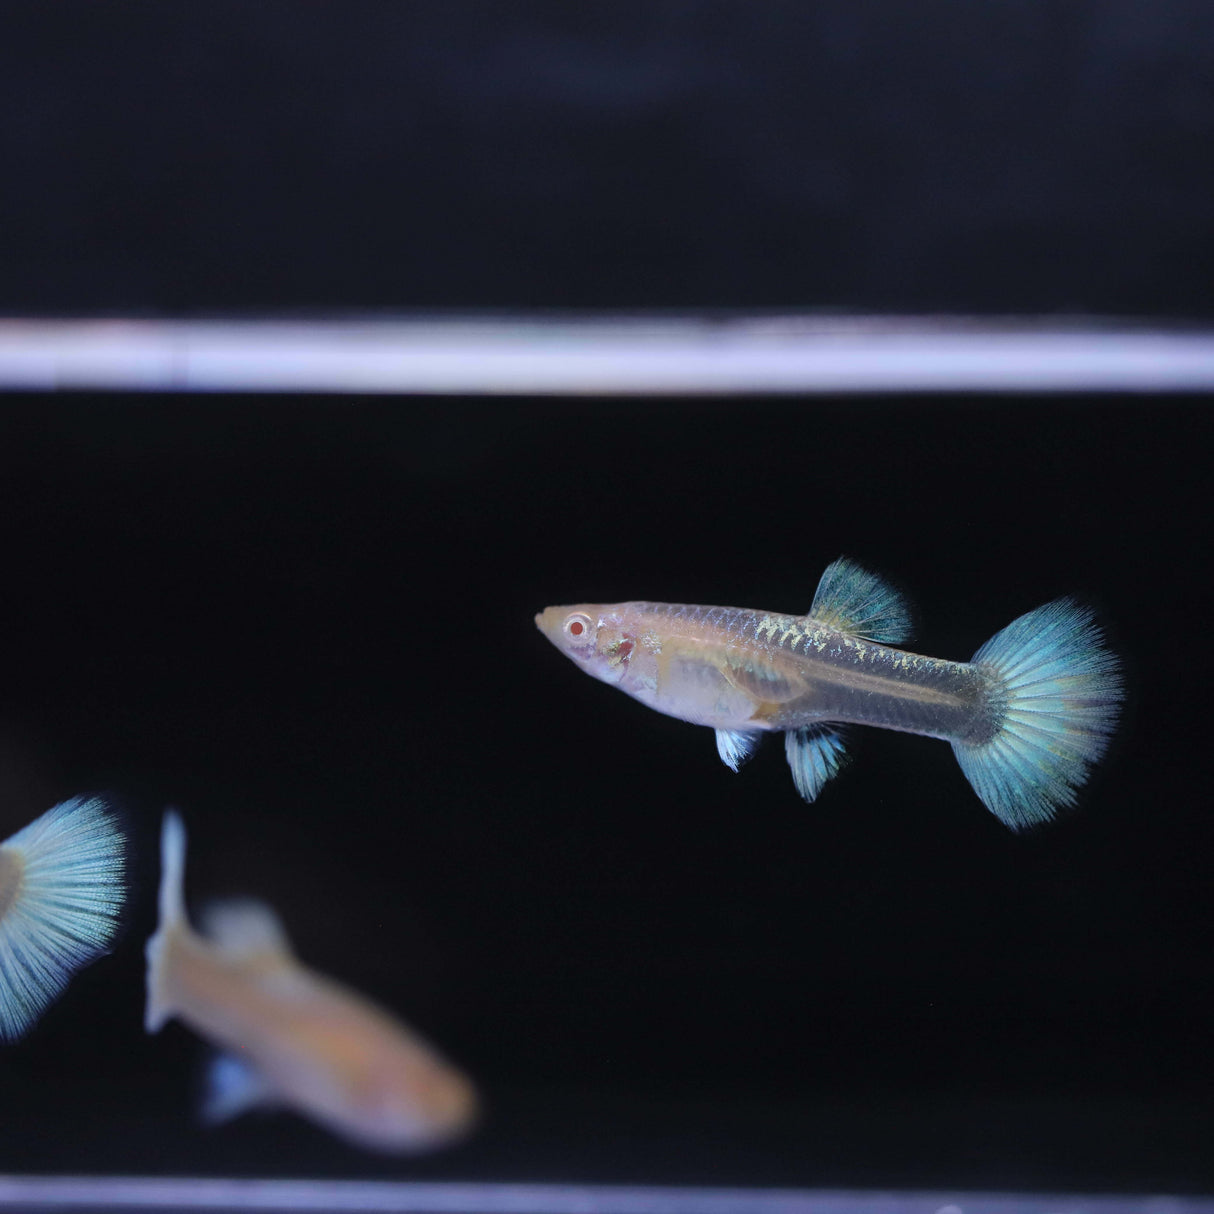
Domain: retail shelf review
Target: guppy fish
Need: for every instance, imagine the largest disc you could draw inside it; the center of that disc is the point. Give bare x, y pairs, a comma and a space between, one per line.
290, 1036
1027, 716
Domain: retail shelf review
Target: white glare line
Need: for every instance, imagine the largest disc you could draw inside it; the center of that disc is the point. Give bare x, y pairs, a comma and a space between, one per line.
133, 1192
619, 356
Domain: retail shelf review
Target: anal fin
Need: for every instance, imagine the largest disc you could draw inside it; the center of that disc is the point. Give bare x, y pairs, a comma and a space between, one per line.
735, 746
815, 754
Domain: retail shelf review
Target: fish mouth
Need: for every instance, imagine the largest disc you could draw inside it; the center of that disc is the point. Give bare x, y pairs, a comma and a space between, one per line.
549, 621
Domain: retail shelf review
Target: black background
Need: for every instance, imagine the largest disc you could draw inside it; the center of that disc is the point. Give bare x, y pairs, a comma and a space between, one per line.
1031, 155
308, 622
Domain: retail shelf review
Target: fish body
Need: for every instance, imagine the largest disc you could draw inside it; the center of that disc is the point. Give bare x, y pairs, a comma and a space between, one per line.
1026, 717
290, 1036
62, 888
739, 669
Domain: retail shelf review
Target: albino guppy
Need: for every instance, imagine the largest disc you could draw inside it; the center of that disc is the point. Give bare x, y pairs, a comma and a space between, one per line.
1027, 716
62, 885
291, 1036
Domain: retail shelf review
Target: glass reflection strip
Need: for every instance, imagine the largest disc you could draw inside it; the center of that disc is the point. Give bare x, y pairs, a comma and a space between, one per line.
606, 355
137, 1192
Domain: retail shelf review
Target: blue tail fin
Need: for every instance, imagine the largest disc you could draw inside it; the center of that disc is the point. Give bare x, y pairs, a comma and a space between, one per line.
1055, 703
62, 886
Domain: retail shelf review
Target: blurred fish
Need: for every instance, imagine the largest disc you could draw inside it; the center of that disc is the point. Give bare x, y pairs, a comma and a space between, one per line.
62, 886
292, 1037
1027, 716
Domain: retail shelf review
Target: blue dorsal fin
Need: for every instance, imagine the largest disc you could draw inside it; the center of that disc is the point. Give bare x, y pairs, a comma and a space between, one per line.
245, 929
735, 746
815, 754
860, 603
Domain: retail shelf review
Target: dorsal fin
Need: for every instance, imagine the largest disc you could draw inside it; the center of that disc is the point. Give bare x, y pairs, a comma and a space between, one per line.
861, 604
245, 929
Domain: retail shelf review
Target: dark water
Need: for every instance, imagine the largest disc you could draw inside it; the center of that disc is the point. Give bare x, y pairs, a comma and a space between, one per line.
1011, 158
308, 623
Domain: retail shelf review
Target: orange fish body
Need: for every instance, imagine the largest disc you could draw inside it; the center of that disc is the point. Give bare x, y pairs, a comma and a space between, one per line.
290, 1036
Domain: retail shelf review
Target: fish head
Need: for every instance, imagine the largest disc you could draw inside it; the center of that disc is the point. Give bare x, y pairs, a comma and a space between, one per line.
414, 1104
606, 641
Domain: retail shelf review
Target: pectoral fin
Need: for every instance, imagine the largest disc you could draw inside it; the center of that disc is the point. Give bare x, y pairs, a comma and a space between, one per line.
735, 746
815, 753
764, 681
231, 1087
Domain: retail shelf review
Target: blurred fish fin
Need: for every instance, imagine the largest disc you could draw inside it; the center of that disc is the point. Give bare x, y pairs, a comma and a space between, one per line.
172, 920
62, 886
245, 929
861, 604
231, 1087
735, 746
815, 754
172, 870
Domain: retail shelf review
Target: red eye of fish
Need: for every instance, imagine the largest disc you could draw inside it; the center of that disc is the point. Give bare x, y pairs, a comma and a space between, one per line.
579, 627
